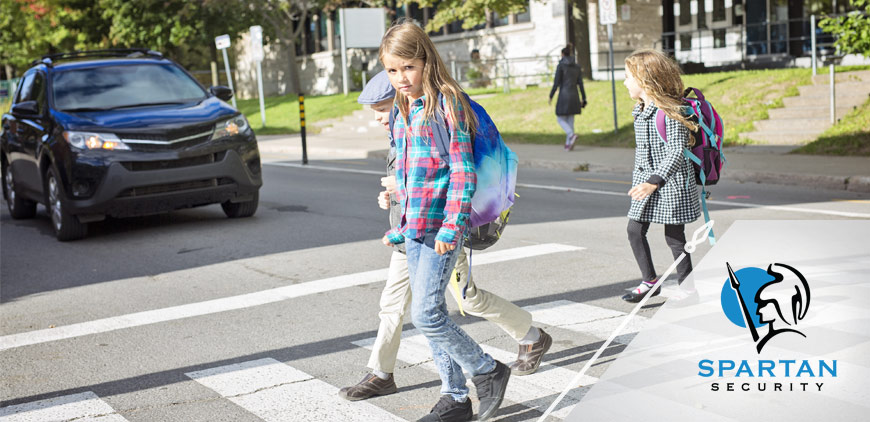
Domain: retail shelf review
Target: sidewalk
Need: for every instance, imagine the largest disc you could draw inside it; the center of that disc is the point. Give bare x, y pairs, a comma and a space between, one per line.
760, 164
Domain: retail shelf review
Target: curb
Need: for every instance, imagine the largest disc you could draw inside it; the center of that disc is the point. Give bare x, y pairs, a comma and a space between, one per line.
849, 183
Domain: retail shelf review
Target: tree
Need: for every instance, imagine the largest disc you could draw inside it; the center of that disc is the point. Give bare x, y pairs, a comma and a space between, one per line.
470, 12
852, 30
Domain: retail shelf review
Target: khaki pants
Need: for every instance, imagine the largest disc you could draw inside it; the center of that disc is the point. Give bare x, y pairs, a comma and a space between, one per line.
396, 300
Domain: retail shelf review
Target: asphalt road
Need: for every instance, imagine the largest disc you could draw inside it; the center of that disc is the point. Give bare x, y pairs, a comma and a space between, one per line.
170, 317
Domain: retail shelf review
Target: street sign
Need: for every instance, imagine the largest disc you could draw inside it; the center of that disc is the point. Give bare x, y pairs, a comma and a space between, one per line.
364, 27
607, 12
257, 43
222, 41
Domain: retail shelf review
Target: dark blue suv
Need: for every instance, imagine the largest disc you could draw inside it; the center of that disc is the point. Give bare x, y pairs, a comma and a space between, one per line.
123, 133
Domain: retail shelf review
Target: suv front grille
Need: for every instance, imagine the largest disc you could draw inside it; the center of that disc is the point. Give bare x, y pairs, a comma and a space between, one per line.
172, 164
175, 140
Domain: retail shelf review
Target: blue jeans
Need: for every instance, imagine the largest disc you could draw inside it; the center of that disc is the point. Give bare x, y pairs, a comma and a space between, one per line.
452, 348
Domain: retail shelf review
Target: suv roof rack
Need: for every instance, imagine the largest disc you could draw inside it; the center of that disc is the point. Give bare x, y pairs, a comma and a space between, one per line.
49, 59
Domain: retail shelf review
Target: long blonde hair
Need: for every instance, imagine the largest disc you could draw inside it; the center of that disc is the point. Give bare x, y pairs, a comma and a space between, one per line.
407, 41
659, 77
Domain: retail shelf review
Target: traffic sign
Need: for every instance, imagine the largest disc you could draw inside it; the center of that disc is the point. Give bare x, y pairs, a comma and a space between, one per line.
257, 43
607, 12
222, 41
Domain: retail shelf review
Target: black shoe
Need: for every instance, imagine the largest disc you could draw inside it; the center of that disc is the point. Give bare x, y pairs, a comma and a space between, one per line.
449, 410
490, 390
635, 297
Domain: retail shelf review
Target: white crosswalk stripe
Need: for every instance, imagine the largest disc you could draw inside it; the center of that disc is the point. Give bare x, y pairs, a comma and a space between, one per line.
538, 390
85, 407
592, 320
276, 392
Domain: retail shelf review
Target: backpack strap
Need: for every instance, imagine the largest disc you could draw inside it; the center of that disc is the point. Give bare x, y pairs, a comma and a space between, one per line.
393, 112
661, 128
439, 132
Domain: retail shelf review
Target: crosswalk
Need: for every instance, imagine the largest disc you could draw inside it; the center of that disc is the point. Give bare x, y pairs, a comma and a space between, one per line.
275, 391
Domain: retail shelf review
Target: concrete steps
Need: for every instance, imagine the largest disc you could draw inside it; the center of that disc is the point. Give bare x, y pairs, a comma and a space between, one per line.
806, 116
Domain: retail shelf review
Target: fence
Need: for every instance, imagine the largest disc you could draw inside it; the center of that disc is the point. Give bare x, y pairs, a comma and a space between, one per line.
518, 72
7, 88
783, 40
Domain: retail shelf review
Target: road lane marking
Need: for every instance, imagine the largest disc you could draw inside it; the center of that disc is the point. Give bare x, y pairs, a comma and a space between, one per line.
85, 406
587, 319
602, 192
336, 169
534, 391
621, 182
249, 300
277, 392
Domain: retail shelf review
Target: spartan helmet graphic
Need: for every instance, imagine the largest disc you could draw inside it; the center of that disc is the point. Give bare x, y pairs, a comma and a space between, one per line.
781, 303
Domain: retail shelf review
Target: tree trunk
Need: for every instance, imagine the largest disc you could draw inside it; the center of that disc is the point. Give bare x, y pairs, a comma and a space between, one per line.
293, 85
580, 16
215, 79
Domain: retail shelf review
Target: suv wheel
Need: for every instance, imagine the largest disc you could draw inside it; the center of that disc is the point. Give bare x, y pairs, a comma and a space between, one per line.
19, 207
66, 226
241, 209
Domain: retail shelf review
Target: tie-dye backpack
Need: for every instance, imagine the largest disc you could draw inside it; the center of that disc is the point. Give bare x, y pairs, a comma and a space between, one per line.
496, 168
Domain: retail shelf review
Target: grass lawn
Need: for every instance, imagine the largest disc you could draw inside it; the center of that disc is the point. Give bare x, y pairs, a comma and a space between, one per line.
739, 97
282, 113
850, 136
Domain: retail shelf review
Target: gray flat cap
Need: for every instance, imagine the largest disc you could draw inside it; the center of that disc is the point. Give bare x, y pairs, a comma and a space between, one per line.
376, 90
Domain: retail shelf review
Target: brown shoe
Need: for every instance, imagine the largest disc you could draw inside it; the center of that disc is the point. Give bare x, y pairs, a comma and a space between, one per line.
530, 355
370, 386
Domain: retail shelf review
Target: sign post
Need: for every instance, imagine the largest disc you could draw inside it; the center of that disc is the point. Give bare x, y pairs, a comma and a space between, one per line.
257, 54
608, 17
302, 128
222, 42
359, 28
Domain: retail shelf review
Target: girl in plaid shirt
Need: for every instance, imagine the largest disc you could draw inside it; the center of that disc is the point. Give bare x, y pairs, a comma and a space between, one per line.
435, 197
663, 182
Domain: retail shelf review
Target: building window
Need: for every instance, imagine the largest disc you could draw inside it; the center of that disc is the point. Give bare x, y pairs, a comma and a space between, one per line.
686, 41
718, 10
685, 12
702, 14
524, 17
719, 38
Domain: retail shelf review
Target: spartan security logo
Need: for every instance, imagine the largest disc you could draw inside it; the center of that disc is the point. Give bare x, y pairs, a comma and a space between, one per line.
778, 298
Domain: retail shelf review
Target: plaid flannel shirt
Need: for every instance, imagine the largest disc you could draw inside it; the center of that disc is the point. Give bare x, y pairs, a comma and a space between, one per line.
434, 195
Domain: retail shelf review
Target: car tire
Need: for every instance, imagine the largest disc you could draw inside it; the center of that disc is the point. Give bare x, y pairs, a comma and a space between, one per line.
241, 209
19, 207
66, 226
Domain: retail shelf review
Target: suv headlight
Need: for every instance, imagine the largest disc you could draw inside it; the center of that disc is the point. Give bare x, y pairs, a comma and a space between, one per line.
90, 140
230, 127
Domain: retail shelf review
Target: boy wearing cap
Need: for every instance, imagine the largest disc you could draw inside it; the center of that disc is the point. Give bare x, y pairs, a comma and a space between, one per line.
396, 296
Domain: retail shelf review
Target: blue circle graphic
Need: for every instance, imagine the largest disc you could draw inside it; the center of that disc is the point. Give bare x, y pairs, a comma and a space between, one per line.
751, 279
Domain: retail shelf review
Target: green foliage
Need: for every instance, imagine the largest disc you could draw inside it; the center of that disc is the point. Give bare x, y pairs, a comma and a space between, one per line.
852, 30
282, 113
470, 12
181, 29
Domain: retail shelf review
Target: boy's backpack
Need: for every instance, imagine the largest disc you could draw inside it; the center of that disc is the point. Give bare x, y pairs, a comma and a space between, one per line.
496, 168
706, 154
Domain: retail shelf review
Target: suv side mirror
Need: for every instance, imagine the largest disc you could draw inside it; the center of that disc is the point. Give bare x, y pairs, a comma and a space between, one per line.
221, 92
28, 108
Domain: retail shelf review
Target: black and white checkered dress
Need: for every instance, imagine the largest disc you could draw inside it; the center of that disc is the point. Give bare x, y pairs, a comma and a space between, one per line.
675, 201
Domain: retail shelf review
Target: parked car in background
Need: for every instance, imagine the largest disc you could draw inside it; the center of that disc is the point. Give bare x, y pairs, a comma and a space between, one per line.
123, 133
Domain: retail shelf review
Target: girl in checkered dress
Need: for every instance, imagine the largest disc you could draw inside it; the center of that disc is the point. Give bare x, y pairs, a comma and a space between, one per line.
663, 183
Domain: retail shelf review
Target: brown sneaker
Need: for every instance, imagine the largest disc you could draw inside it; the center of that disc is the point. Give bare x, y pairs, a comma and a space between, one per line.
370, 386
530, 355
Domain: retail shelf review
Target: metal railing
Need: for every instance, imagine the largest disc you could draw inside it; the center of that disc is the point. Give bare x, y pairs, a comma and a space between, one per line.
7, 88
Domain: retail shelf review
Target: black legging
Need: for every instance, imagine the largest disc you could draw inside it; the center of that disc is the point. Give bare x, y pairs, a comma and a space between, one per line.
675, 237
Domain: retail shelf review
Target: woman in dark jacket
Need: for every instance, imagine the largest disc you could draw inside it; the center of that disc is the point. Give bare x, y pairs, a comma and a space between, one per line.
568, 79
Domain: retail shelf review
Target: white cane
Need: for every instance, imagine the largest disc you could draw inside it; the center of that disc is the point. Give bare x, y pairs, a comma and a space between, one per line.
698, 237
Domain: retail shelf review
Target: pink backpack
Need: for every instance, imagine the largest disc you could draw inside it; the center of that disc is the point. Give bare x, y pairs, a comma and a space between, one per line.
706, 155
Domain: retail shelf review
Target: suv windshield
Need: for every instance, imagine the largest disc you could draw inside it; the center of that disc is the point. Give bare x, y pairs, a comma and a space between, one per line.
121, 86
